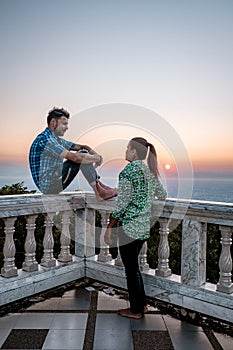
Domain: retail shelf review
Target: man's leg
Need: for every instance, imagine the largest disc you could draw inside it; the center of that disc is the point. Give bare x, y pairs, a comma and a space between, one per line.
71, 169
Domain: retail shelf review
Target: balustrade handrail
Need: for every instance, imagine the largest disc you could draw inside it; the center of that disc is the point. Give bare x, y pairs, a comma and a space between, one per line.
26, 204
194, 215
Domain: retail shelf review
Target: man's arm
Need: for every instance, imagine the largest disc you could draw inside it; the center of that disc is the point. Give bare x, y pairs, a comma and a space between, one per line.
85, 158
79, 147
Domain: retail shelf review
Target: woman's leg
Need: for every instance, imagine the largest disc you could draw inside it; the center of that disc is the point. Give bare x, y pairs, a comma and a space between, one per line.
129, 254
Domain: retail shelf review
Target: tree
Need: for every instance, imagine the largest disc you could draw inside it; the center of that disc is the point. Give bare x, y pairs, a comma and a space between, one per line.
17, 188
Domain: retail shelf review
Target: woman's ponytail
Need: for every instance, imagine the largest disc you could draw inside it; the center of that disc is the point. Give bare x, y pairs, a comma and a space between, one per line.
141, 146
152, 160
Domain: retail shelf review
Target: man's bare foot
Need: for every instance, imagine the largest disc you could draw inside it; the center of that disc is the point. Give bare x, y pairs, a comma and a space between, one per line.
128, 313
104, 194
104, 186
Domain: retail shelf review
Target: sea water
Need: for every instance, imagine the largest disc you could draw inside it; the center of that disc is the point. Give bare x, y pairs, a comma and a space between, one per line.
211, 188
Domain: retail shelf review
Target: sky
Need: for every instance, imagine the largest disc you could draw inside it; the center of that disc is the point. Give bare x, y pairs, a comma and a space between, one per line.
170, 60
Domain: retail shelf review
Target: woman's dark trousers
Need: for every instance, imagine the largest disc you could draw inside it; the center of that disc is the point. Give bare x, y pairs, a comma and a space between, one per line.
129, 250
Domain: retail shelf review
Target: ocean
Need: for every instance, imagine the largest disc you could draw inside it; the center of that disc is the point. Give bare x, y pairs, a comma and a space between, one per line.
208, 188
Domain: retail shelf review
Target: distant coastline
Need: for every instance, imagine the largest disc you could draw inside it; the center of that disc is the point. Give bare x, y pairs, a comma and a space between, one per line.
206, 186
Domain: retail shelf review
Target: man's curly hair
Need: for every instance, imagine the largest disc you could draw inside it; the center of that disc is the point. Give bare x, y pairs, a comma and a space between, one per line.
57, 113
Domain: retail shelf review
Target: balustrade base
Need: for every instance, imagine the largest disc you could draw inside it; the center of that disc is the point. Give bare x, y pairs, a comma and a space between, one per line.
118, 262
48, 263
9, 273
30, 268
163, 273
144, 267
65, 259
225, 289
104, 257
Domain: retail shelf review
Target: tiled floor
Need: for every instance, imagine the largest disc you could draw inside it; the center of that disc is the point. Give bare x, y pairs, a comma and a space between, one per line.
65, 321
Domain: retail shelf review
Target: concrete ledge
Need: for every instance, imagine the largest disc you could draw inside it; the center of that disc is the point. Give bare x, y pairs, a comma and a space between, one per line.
204, 300
27, 284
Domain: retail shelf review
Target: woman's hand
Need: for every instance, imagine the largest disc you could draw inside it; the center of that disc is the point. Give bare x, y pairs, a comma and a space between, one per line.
107, 236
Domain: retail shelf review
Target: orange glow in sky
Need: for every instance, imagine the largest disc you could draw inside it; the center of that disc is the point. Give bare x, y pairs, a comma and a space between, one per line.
177, 63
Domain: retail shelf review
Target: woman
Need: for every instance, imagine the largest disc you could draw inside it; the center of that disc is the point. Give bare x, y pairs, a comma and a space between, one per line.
138, 186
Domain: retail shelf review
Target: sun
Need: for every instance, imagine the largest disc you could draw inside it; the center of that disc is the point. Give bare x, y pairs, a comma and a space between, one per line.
167, 166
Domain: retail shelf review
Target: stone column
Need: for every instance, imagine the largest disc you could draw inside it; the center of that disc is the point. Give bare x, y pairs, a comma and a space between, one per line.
225, 262
30, 264
48, 259
193, 257
104, 249
85, 232
65, 255
9, 269
118, 260
163, 250
144, 266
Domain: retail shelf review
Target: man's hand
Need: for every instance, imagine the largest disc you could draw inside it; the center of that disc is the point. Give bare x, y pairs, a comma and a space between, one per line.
107, 236
100, 161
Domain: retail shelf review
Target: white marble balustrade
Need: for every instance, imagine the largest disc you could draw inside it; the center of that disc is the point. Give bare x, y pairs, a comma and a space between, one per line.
188, 290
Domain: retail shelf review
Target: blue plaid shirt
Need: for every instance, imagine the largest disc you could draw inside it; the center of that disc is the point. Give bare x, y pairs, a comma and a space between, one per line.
44, 158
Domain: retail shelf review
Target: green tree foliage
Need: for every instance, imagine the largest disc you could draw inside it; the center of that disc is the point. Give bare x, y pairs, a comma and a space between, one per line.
17, 188
213, 251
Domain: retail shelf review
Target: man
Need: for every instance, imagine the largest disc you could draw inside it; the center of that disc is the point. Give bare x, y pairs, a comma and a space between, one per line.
48, 151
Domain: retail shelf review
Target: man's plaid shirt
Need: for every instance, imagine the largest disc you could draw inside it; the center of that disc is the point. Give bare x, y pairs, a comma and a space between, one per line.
44, 158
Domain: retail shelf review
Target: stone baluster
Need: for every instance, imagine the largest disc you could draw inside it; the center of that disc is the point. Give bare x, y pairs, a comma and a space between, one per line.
225, 262
104, 249
118, 260
65, 255
193, 256
144, 266
48, 259
9, 269
163, 250
30, 263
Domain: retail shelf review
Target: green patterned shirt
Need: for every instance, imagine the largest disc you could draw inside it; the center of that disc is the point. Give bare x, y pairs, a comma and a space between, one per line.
137, 189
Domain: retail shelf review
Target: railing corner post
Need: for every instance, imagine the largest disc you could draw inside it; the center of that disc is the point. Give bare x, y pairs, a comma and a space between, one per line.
193, 256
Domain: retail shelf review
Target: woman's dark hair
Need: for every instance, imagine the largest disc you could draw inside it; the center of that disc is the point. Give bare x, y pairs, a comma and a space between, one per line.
141, 147
57, 113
